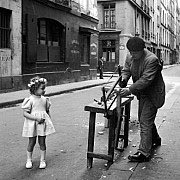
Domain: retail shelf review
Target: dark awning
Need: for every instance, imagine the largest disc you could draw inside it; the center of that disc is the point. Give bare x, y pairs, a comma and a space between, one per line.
88, 30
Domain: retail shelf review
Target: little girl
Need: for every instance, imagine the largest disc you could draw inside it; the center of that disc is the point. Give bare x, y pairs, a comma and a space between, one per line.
37, 119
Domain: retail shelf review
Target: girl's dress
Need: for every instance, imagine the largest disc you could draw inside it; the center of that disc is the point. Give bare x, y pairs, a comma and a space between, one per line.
37, 106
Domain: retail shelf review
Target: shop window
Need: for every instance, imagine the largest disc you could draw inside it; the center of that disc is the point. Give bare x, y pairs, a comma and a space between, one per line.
50, 41
5, 28
109, 50
85, 48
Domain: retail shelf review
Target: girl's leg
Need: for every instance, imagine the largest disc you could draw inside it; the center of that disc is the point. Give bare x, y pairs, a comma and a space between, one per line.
32, 142
42, 144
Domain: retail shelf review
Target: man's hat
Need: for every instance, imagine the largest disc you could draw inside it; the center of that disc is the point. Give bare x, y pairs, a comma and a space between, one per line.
135, 44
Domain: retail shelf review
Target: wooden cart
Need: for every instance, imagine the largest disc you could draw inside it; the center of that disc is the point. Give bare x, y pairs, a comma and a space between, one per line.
117, 111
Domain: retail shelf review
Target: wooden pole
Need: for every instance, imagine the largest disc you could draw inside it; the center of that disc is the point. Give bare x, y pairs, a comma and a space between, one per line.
126, 123
92, 120
118, 109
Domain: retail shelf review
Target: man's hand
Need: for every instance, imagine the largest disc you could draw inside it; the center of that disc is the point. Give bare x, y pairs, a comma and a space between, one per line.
123, 83
125, 92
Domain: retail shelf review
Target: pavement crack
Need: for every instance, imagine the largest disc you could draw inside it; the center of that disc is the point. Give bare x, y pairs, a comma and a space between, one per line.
133, 171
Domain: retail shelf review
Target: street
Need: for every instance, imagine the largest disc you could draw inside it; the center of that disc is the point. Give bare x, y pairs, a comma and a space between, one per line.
66, 149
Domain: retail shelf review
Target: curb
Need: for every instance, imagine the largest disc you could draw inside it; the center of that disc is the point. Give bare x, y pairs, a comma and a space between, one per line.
14, 102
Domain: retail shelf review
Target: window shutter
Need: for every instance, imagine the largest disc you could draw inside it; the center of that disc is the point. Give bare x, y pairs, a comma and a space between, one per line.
31, 38
68, 43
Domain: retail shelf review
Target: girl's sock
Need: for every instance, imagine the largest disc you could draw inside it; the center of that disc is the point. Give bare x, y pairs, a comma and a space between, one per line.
43, 155
42, 160
29, 155
29, 160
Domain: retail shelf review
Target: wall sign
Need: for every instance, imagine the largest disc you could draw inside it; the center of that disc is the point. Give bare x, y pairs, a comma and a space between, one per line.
5, 62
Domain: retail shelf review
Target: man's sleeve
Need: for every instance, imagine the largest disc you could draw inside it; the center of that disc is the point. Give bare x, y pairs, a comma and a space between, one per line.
148, 75
126, 73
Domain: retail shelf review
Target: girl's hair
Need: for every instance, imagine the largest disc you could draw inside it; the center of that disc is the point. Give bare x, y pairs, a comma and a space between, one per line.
35, 84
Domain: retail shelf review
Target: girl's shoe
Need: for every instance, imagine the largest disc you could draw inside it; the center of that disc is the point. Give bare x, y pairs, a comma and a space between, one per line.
42, 164
29, 164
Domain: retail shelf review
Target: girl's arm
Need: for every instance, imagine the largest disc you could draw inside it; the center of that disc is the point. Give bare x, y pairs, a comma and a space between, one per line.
48, 104
31, 117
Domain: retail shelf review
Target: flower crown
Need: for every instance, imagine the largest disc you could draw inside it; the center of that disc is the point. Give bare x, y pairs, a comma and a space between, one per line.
35, 81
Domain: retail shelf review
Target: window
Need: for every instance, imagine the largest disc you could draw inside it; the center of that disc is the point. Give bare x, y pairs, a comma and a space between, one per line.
42, 32
85, 48
109, 16
63, 2
5, 28
51, 41
109, 50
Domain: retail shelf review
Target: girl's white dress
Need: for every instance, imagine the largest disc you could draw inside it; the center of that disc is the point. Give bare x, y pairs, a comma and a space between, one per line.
37, 106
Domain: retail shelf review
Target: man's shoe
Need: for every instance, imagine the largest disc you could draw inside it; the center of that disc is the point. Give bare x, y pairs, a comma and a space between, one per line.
138, 157
156, 143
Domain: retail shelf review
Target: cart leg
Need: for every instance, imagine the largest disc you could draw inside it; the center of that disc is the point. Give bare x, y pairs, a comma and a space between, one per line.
126, 124
111, 140
92, 120
118, 128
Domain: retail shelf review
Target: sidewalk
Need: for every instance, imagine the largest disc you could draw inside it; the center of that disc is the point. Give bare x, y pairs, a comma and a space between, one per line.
11, 98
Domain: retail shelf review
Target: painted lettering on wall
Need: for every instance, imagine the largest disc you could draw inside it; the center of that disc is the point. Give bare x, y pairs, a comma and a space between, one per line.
5, 62
75, 47
93, 49
121, 46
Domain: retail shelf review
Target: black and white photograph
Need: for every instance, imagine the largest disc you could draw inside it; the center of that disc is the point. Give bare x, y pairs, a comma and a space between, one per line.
89, 89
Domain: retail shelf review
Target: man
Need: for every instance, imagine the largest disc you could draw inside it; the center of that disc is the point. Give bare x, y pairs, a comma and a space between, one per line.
149, 87
100, 67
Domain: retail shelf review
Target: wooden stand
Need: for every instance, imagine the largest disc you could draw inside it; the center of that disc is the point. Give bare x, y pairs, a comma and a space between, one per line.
115, 116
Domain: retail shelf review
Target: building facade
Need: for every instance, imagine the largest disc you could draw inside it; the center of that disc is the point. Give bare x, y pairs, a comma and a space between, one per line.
123, 19
155, 13
10, 44
108, 34
178, 33
57, 39
164, 32
60, 40
155, 21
